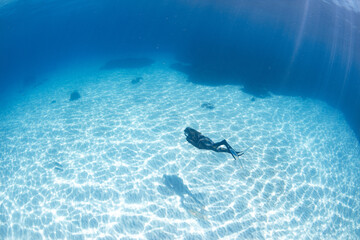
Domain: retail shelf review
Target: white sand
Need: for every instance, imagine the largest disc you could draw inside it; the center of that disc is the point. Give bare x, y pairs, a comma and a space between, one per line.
300, 179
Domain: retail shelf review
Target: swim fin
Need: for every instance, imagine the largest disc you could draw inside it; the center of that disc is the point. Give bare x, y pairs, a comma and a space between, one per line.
233, 152
235, 155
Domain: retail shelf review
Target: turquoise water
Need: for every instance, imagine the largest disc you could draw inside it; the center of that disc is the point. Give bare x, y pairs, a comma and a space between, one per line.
95, 97
92, 168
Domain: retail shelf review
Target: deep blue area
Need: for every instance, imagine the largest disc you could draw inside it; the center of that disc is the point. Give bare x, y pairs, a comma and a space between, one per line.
300, 48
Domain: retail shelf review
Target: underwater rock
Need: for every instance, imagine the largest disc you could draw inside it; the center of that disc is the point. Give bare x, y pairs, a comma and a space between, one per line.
75, 95
208, 105
253, 99
53, 101
127, 63
136, 80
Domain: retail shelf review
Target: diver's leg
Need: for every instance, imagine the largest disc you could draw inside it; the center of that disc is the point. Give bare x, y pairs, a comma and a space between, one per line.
227, 145
228, 149
223, 142
218, 144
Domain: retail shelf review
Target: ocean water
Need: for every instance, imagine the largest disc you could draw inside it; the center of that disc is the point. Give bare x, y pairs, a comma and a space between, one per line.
95, 98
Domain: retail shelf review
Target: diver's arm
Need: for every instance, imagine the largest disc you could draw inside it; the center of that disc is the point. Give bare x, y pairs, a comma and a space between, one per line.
191, 141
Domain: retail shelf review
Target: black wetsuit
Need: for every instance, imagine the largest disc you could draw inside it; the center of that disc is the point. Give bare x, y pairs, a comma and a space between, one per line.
200, 141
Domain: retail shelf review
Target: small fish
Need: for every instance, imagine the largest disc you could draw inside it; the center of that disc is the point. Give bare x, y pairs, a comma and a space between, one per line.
58, 165
59, 169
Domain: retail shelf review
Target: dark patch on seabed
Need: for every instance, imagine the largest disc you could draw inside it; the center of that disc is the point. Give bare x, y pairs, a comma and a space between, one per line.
208, 105
136, 80
127, 63
215, 76
75, 95
340, 88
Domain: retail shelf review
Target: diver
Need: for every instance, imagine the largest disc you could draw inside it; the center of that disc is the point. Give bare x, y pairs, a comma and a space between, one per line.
200, 141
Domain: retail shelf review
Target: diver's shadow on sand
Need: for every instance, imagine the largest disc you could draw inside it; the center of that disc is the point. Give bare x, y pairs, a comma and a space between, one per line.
192, 203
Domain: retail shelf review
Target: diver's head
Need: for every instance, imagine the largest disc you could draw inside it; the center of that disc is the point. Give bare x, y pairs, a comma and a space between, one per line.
187, 131
190, 132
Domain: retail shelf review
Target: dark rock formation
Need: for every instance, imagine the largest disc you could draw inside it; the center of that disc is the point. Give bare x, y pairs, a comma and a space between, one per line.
75, 95
208, 105
136, 80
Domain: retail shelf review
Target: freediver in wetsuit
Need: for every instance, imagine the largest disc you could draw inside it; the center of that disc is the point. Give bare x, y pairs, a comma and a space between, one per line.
200, 141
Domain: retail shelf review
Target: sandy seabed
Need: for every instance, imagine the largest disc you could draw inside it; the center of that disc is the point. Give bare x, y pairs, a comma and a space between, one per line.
92, 168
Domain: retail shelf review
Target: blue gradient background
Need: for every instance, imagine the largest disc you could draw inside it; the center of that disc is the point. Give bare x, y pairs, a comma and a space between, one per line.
300, 48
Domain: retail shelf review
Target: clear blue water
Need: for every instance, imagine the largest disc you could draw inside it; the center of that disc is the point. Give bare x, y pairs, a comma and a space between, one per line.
278, 79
